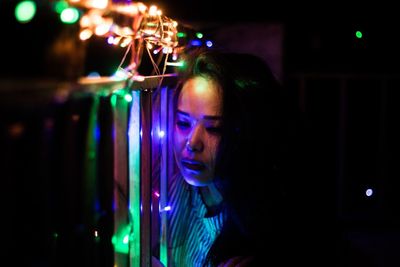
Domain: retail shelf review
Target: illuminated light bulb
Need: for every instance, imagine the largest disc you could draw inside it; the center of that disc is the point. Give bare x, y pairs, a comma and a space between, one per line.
209, 43
85, 21
128, 98
369, 192
117, 40
120, 74
110, 40
156, 194
131, 10
60, 6
138, 78
174, 57
166, 208
101, 29
142, 7
153, 11
85, 34
69, 15
100, 4
25, 11
93, 74
359, 34
195, 43
161, 134
126, 42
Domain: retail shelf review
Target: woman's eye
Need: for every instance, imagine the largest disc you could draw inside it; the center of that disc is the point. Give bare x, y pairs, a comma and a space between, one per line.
183, 124
215, 130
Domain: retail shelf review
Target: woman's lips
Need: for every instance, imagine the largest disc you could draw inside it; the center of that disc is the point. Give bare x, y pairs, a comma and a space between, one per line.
193, 165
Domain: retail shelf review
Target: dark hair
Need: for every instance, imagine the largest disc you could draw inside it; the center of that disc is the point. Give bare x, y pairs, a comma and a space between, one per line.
251, 148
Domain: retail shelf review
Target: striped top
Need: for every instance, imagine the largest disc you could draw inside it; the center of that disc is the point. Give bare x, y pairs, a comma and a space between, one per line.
191, 233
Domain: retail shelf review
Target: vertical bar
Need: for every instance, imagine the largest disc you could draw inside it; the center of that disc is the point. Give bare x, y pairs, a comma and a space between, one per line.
145, 186
90, 182
164, 175
90, 165
121, 190
134, 179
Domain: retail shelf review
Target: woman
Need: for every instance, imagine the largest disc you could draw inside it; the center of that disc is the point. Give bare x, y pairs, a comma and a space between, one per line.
228, 132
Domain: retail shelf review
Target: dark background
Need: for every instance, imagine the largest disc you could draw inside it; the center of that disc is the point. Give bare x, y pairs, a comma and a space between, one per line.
346, 89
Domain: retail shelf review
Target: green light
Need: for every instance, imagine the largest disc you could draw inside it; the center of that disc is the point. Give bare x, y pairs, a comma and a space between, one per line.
181, 64
25, 11
60, 6
128, 98
181, 34
120, 239
359, 34
114, 100
69, 15
199, 35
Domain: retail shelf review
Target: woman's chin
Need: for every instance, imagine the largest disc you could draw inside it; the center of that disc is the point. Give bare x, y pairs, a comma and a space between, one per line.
197, 181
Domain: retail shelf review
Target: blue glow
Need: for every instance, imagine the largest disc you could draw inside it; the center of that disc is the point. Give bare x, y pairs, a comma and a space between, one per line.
195, 42
97, 132
209, 43
93, 74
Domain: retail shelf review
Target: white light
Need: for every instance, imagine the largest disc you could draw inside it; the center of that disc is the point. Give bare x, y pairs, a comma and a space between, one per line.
166, 208
161, 134
369, 192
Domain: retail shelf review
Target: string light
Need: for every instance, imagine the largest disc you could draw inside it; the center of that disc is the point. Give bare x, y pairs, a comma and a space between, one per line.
131, 25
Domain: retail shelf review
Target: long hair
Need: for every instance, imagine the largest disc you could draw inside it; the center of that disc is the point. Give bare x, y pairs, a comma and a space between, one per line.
251, 148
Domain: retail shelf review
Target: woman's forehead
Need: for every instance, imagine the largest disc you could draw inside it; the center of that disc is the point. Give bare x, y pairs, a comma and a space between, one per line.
200, 96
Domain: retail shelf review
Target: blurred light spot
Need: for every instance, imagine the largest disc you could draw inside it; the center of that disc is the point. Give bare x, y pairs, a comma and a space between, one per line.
75, 117
93, 74
195, 42
25, 11
16, 130
69, 15
369, 192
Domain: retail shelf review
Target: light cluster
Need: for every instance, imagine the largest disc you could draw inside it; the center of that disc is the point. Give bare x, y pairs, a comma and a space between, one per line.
132, 24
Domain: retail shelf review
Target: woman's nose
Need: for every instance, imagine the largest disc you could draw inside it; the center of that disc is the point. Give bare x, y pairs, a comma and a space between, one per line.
194, 142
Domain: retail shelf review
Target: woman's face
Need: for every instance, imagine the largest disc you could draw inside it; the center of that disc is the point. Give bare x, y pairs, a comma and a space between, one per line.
197, 130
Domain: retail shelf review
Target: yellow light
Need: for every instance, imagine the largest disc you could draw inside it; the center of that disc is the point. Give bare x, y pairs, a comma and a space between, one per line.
85, 34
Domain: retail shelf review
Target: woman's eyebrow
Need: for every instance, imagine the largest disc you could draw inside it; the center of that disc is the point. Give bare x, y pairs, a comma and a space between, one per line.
207, 117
